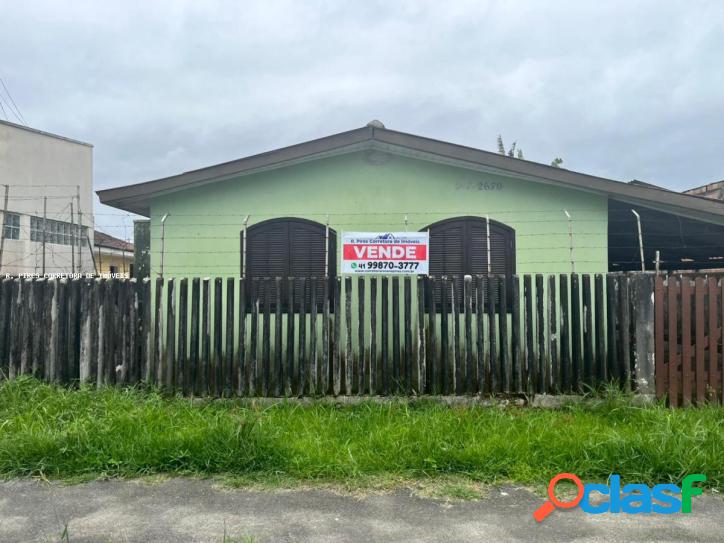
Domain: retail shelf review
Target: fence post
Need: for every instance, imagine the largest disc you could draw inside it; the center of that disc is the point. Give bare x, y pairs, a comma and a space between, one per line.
642, 291
85, 332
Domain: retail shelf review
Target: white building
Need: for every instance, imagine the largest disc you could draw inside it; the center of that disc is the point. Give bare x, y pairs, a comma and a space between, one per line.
49, 182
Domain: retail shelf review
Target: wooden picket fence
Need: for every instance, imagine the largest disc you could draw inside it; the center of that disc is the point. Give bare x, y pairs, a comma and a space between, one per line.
332, 336
689, 339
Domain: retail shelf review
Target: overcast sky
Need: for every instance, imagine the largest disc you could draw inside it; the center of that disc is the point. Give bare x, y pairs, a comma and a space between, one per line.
616, 90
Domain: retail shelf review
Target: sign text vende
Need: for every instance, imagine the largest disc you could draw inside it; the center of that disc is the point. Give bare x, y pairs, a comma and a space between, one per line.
385, 252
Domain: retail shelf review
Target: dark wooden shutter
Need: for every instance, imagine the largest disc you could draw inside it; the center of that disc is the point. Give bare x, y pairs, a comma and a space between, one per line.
447, 253
458, 247
288, 248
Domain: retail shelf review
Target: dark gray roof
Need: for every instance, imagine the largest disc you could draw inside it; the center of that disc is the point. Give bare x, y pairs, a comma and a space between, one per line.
101, 239
136, 198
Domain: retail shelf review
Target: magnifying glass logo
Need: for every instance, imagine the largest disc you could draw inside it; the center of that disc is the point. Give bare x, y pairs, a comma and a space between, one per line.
549, 505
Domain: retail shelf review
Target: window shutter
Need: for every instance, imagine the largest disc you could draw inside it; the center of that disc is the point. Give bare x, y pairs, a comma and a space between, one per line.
459, 247
288, 248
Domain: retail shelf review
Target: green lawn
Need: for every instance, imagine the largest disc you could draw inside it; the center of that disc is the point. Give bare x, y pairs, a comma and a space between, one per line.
53, 432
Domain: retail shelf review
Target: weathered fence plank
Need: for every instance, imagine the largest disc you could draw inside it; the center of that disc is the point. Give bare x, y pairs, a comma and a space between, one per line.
181, 362
194, 337
576, 376
516, 345
455, 371
337, 347
713, 330
325, 337
553, 371
530, 370
445, 360
686, 341
700, 345
278, 377
170, 334
266, 339
468, 302
600, 326
361, 350
674, 359
480, 337
302, 341
660, 339
433, 360
229, 337
384, 369
373, 337
421, 362
407, 358
348, 359
312, 371
587, 332
541, 334
492, 337
564, 345
289, 376
205, 370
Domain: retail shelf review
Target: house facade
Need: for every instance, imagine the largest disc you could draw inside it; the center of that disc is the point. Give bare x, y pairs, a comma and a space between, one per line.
113, 256
47, 216
710, 190
281, 213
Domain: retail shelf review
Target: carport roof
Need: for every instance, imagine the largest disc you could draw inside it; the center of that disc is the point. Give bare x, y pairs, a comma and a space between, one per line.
136, 198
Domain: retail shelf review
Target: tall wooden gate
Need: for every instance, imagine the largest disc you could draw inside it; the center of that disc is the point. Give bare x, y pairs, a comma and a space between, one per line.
689, 314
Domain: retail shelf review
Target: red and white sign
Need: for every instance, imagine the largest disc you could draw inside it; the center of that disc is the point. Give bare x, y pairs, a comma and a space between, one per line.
385, 252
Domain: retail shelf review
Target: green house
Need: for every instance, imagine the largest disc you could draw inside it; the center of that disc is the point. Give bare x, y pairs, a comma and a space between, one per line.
281, 213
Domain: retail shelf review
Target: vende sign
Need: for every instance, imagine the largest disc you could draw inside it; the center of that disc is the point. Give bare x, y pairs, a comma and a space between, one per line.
385, 252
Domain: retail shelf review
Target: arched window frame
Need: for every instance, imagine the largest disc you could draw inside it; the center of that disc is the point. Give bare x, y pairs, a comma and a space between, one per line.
468, 268
325, 233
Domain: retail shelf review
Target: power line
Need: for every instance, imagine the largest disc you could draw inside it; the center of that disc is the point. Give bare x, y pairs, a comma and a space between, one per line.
19, 115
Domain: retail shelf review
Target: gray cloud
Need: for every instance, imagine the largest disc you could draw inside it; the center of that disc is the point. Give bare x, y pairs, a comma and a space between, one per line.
619, 90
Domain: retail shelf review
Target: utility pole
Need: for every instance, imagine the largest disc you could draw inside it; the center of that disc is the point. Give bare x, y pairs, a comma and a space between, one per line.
45, 228
243, 247
570, 239
641, 241
80, 230
72, 245
487, 239
90, 250
2, 227
163, 239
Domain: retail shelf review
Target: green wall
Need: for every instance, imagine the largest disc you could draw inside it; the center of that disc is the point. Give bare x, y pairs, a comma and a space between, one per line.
360, 192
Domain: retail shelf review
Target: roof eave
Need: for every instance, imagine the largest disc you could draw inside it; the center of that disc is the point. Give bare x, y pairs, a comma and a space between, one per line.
136, 198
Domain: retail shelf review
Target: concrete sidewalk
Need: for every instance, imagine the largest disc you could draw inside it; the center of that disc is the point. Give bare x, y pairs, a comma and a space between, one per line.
193, 510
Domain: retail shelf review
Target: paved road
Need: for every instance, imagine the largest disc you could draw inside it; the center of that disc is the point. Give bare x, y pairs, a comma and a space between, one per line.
193, 510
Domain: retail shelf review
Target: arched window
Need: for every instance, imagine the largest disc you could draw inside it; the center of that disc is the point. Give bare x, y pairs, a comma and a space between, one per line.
459, 247
289, 247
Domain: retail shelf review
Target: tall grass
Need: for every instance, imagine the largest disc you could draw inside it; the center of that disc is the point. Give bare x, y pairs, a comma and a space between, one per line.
55, 432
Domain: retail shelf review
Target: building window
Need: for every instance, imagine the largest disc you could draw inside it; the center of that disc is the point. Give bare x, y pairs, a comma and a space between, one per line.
11, 226
289, 248
113, 269
459, 247
58, 232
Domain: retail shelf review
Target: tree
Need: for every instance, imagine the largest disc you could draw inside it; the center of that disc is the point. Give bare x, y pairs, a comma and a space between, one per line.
512, 151
518, 153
